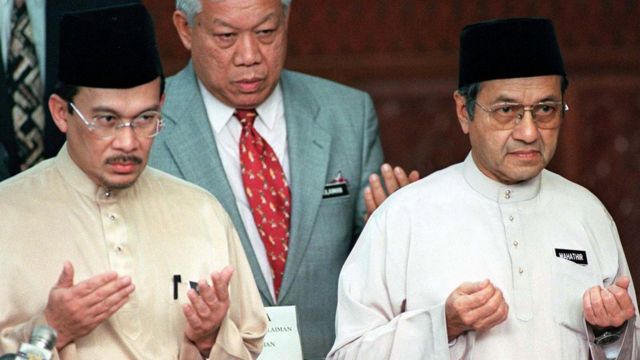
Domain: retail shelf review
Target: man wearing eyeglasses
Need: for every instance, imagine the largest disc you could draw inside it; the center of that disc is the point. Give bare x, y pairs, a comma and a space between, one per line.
495, 257
123, 261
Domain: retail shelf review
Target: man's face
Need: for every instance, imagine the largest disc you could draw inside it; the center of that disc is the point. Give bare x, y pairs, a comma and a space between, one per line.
238, 48
518, 154
114, 163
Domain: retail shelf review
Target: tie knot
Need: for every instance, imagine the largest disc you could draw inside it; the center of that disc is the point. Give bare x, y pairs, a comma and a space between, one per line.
246, 117
18, 3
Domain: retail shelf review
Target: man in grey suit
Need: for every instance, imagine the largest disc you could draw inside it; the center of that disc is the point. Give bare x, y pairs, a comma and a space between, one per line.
323, 135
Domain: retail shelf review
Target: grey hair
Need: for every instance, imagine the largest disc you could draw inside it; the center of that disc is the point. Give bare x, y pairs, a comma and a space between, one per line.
470, 92
191, 8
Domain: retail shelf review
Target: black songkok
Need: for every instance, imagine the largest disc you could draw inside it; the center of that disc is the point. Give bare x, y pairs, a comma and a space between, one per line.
508, 48
111, 47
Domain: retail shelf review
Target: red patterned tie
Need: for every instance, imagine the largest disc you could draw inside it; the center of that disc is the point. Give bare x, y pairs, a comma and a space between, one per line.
268, 193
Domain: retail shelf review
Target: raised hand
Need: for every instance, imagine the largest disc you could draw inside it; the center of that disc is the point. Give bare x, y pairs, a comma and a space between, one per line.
475, 306
610, 306
394, 178
207, 310
76, 310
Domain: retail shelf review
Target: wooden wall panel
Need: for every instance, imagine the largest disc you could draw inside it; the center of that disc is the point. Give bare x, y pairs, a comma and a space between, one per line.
404, 53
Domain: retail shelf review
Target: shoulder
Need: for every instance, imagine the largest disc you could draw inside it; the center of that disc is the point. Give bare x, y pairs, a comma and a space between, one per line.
442, 187
31, 186
182, 75
173, 185
319, 87
183, 85
35, 176
178, 191
559, 189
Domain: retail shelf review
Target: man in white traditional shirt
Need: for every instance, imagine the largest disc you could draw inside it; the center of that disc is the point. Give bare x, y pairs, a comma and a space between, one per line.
123, 261
495, 257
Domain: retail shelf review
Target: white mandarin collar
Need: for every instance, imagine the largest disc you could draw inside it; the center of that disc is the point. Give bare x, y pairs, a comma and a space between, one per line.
220, 114
496, 191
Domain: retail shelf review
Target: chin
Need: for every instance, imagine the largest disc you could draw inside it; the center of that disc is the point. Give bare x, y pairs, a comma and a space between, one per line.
120, 184
526, 175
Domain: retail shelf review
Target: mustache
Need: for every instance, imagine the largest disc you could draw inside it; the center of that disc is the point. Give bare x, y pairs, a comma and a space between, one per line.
124, 159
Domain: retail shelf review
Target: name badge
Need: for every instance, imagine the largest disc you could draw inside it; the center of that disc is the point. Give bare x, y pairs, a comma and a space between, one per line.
337, 187
576, 256
283, 339
335, 190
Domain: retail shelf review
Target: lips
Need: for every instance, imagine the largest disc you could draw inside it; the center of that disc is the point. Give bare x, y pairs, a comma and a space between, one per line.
249, 85
525, 154
124, 168
124, 164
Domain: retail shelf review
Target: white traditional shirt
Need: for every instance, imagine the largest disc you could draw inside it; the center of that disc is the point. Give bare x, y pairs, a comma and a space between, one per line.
158, 228
456, 226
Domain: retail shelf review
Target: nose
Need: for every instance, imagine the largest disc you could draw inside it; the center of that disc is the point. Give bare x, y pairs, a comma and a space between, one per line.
125, 139
526, 129
524, 111
247, 50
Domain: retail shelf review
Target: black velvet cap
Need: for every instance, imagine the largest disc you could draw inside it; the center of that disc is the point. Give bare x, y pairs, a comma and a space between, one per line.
509, 48
112, 47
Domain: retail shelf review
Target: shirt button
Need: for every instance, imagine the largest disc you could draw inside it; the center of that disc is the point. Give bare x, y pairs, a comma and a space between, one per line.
119, 248
516, 243
520, 270
113, 217
507, 194
510, 218
107, 194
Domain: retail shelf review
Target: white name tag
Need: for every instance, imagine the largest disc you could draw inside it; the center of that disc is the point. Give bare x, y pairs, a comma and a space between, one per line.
282, 341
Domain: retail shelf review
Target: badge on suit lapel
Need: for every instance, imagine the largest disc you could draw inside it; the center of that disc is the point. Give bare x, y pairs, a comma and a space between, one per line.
339, 186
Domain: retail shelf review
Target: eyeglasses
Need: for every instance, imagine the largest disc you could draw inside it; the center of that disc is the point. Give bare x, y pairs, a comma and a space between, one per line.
148, 124
546, 114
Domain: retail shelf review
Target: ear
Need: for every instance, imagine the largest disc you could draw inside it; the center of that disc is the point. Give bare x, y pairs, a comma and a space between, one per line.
181, 24
461, 112
59, 112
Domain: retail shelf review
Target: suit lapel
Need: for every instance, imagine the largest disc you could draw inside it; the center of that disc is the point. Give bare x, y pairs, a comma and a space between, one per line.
193, 148
309, 147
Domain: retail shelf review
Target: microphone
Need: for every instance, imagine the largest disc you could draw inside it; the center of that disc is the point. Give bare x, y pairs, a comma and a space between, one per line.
39, 347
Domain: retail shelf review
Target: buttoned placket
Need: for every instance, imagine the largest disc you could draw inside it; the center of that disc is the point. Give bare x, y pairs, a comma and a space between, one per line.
522, 293
120, 257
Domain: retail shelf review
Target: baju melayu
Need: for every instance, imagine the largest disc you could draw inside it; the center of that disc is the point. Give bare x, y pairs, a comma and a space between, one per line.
543, 242
162, 232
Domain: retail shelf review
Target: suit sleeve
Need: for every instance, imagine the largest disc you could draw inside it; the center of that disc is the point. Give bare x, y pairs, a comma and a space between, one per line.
372, 158
371, 321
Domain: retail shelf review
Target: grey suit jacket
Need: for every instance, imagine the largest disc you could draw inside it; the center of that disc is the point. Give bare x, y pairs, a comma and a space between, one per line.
330, 128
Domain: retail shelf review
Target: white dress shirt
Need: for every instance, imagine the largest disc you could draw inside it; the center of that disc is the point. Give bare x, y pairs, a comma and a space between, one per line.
271, 125
36, 9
